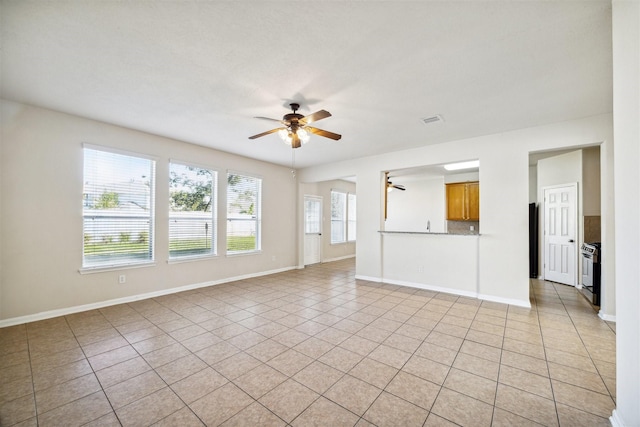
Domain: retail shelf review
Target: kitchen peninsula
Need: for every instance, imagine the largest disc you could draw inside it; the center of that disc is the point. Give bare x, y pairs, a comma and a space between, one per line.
442, 262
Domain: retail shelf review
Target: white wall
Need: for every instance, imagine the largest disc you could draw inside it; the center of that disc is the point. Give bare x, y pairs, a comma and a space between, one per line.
563, 169
432, 261
422, 201
504, 176
626, 109
462, 177
41, 214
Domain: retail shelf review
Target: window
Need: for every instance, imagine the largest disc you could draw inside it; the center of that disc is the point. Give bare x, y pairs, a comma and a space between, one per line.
118, 209
243, 213
338, 217
343, 217
192, 211
351, 217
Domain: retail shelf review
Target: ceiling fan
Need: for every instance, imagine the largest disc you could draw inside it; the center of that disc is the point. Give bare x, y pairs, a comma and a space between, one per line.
295, 128
391, 185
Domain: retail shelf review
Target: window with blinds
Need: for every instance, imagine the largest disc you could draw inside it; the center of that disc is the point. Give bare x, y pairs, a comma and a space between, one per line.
243, 213
338, 217
343, 217
118, 209
192, 211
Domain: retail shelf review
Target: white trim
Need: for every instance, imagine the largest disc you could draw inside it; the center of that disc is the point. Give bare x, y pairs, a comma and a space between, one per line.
607, 317
432, 288
340, 258
369, 278
92, 306
115, 150
471, 294
178, 260
615, 419
243, 253
510, 301
115, 267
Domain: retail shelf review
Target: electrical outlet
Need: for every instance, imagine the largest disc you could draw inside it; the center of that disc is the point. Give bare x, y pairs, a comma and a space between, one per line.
122, 279
420, 269
472, 228
273, 258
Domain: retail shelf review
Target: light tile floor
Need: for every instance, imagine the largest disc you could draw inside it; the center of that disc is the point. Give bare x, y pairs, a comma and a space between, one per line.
314, 347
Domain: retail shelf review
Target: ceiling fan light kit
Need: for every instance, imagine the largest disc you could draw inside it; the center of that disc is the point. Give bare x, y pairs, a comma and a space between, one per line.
296, 130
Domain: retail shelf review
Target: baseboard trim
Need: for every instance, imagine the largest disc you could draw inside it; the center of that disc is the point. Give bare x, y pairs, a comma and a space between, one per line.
460, 292
470, 294
369, 278
607, 317
340, 258
510, 301
615, 419
92, 306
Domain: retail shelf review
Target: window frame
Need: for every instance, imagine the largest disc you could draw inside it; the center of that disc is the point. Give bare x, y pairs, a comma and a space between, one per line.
257, 219
342, 220
127, 262
345, 220
214, 213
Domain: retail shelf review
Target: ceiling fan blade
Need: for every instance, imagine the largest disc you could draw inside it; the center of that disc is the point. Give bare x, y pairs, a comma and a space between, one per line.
270, 119
318, 115
399, 187
324, 133
265, 133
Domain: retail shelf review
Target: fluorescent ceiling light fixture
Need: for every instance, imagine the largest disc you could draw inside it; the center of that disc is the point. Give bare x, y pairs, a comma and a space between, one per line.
462, 165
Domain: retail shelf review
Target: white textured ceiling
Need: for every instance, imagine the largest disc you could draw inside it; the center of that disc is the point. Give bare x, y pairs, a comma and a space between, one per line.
199, 71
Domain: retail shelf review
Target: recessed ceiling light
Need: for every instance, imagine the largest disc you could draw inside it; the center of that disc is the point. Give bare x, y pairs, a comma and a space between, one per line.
462, 165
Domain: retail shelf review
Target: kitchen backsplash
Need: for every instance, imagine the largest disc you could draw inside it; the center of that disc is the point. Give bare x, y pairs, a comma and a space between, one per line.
463, 227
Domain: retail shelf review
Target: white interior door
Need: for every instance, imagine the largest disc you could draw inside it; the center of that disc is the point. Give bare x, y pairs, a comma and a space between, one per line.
560, 234
312, 230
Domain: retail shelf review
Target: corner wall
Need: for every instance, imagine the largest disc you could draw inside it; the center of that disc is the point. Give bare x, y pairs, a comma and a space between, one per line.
626, 110
41, 177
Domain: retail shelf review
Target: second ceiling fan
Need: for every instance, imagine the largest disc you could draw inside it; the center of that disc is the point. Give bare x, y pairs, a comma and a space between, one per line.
295, 127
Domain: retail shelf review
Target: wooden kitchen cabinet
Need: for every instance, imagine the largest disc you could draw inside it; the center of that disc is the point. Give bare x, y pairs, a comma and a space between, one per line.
463, 201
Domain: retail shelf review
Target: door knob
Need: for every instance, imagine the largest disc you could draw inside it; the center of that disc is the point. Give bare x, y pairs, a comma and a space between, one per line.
571, 240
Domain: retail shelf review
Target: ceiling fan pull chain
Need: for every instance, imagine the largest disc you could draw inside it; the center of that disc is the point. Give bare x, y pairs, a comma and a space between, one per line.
293, 164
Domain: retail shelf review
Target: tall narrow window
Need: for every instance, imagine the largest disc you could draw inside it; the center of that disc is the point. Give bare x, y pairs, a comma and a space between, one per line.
338, 217
118, 211
192, 211
351, 217
243, 213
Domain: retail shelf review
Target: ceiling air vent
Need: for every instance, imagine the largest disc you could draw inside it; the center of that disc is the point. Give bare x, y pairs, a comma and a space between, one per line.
433, 119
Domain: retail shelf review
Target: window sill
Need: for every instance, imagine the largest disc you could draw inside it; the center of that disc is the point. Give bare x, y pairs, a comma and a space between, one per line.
191, 259
235, 254
106, 268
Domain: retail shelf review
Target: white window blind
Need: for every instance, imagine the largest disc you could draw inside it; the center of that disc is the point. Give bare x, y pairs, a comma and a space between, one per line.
118, 209
192, 211
338, 217
351, 217
243, 213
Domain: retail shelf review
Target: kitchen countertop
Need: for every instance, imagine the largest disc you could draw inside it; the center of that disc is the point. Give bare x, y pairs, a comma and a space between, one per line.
428, 232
